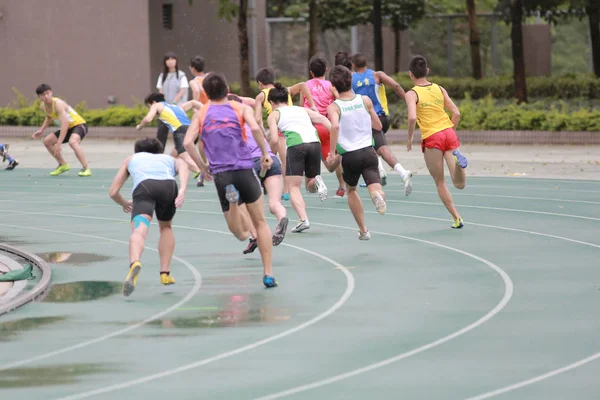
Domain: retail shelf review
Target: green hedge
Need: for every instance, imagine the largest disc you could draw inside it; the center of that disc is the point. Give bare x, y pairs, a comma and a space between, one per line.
563, 87
581, 114
542, 115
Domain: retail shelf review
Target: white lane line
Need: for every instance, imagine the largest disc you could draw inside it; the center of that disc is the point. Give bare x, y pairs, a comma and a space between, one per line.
350, 284
508, 292
188, 297
538, 378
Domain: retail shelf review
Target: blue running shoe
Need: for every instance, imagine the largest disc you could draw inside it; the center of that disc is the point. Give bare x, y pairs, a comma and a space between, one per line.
460, 159
285, 196
232, 194
269, 281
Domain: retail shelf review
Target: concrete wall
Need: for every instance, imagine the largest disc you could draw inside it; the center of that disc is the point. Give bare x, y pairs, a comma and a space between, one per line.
199, 31
94, 52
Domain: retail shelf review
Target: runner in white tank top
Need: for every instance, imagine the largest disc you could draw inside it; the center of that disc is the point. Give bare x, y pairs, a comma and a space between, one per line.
352, 118
303, 155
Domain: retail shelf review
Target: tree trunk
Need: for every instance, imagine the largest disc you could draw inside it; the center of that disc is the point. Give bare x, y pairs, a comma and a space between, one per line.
280, 7
312, 30
474, 39
377, 35
244, 51
593, 12
516, 12
397, 48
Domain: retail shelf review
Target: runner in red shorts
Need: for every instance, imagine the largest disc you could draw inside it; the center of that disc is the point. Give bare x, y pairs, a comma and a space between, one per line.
427, 104
323, 94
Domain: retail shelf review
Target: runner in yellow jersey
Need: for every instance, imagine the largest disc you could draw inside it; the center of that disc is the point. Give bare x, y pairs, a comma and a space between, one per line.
72, 130
266, 81
427, 104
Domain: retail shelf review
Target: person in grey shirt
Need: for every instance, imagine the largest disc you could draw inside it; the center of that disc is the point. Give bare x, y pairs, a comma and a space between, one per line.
173, 83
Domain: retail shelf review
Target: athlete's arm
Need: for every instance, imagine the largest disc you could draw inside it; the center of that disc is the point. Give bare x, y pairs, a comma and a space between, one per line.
196, 105
272, 122
249, 101
411, 105
188, 142
450, 106
61, 110
117, 183
333, 160
303, 88
390, 82
183, 88
317, 118
259, 137
260, 98
375, 121
195, 89
150, 116
45, 124
334, 92
184, 174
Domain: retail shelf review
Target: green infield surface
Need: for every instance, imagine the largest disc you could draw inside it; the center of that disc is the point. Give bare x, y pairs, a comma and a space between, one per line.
506, 307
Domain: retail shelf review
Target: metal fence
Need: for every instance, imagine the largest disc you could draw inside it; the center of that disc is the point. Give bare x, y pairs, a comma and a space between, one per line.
443, 39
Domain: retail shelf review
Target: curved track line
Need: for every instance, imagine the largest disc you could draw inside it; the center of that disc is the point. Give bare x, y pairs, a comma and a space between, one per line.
348, 292
508, 292
349, 289
500, 196
538, 378
192, 293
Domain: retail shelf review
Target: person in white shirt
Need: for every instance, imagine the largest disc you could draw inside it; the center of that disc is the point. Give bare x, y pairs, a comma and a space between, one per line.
352, 118
173, 83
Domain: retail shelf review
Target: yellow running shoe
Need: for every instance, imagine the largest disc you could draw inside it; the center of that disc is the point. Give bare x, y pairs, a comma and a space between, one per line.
61, 169
131, 279
85, 172
458, 223
166, 279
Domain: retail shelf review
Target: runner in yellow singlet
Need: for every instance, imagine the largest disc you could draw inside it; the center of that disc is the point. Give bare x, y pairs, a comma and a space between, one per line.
427, 104
266, 81
72, 130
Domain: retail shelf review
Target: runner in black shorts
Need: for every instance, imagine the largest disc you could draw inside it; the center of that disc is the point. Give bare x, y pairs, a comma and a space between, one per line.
303, 155
352, 118
72, 130
154, 191
176, 119
220, 124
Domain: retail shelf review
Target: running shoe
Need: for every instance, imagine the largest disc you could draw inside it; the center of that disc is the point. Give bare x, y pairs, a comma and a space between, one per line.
269, 281
85, 172
364, 235
379, 202
460, 159
166, 279
301, 226
132, 277
12, 165
252, 245
458, 223
321, 188
280, 231
60, 170
407, 183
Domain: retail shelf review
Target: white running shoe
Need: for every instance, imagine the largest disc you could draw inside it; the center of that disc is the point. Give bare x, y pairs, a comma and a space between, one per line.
382, 172
407, 183
301, 226
321, 188
379, 202
364, 236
